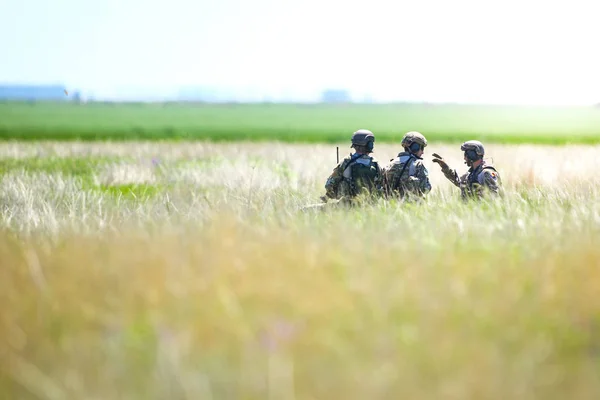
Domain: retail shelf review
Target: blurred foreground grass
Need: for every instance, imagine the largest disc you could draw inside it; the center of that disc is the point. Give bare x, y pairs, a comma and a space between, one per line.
351, 306
217, 286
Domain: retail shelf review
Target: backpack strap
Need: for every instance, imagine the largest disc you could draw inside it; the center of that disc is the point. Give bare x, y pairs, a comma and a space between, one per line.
397, 182
488, 167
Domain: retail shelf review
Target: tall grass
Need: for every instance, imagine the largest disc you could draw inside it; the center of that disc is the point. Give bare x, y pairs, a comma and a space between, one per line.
219, 286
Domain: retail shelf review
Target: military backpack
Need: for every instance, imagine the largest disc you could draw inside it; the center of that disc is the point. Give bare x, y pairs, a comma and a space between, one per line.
360, 175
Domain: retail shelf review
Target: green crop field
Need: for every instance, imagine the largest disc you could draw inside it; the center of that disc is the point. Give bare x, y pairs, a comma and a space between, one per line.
298, 123
190, 270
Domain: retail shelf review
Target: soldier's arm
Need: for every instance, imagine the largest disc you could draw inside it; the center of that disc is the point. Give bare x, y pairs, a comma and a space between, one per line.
490, 181
386, 177
449, 173
452, 176
333, 182
422, 175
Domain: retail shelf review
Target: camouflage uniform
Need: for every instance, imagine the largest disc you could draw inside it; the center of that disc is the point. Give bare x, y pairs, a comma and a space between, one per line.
477, 182
407, 176
357, 174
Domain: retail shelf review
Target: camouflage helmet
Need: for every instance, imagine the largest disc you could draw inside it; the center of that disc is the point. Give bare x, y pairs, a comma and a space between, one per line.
474, 145
413, 137
362, 137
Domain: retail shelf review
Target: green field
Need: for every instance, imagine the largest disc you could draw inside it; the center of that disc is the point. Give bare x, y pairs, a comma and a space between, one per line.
297, 123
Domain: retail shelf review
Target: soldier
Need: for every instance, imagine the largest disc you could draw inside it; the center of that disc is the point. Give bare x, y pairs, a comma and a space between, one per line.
407, 175
480, 179
357, 174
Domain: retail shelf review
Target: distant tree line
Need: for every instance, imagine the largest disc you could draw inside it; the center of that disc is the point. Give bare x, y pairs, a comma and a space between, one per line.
33, 93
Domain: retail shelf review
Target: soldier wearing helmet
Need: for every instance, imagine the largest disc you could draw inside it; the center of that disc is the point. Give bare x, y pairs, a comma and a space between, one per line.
480, 179
358, 173
407, 175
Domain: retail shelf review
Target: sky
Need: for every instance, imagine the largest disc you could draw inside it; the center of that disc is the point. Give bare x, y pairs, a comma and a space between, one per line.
470, 51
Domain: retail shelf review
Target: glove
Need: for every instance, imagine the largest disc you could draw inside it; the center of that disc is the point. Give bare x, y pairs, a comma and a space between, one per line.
438, 159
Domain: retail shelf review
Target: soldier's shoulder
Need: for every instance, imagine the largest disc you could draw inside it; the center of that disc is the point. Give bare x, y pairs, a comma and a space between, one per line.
489, 172
420, 168
374, 160
400, 159
489, 169
393, 165
380, 168
489, 166
345, 161
419, 163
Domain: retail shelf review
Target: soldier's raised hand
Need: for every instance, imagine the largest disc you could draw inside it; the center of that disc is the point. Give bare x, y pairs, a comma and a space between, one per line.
438, 159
